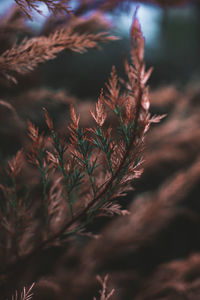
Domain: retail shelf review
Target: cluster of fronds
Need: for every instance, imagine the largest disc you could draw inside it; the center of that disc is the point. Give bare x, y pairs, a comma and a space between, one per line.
79, 175
68, 175
97, 166
152, 252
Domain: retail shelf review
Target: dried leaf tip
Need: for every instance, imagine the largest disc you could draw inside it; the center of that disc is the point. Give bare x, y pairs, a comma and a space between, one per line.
136, 31
73, 116
15, 164
48, 120
137, 39
33, 132
101, 114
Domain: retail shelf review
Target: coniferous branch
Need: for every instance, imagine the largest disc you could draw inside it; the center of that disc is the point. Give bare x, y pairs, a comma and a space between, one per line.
97, 164
76, 174
26, 56
54, 6
125, 158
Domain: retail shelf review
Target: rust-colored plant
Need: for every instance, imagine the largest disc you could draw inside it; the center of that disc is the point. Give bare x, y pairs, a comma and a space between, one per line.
77, 177
66, 166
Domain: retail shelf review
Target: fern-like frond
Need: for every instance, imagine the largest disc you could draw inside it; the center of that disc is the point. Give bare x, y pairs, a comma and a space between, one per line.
26, 56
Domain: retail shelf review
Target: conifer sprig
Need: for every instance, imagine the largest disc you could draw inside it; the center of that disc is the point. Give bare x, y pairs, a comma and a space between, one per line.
25, 57
123, 153
93, 166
